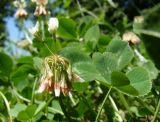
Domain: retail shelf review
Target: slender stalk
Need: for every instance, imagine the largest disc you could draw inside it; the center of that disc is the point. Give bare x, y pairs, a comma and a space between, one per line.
20, 96
80, 8
155, 114
33, 90
150, 33
48, 48
119, 118
64, 110
72, 99
103, 104
44, 106
121, 96
140, 56
7, 105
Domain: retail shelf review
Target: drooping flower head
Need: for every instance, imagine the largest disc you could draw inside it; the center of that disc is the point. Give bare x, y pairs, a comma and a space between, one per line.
56, 75
41, 8
21, 12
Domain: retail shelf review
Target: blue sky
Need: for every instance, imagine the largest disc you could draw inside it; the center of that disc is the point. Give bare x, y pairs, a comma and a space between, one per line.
13, 31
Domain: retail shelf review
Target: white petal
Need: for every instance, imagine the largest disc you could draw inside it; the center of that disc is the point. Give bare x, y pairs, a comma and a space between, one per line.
57, 92
41, 88
53, 24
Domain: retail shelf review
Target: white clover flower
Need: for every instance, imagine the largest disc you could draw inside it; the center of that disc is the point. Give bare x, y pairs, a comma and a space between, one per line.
53, 25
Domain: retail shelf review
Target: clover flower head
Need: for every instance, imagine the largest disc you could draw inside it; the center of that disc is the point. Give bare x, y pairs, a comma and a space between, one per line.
53, 25
131, 38
56, 76
21, 13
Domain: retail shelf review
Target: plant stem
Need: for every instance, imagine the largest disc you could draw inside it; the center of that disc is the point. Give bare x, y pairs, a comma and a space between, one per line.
146, 106
7, 105
48, 48
155, 114
103, 104
64, 110
121, 96
33, 90
119, 118
80, 8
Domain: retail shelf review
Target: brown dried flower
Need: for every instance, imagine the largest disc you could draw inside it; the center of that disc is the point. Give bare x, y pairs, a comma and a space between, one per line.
131, 37
56, 75
41, 8
21, 13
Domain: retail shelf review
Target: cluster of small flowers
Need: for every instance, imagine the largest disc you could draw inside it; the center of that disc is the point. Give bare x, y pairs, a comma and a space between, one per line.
56, 73
57, 76
40, 10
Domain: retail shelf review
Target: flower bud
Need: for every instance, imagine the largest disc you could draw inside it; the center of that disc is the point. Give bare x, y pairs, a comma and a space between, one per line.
131, 37
138, 19
53, 25
21, 13
40, 11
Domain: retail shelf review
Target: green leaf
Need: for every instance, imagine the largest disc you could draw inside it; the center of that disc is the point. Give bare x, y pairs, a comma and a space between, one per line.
25, 60
106, 63
6, 65
81, 108
129, 90
17, 108
67, 28
122, 50
74, 54
140, 80
56, 106
92, 36
152, 70
20, 76
38, 63
28, 113
40, 107
30, 110
80, 87
86, 70
119, 79
23, 116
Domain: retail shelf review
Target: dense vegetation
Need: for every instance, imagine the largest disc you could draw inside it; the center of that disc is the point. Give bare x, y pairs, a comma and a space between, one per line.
83, 61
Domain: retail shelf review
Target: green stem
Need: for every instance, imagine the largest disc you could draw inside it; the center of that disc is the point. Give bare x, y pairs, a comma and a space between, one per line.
155, 114
33, 90
48, 48
80, 8
44, 106
146, 106
7, 105
123, 100
64, 110
103, 104
118, 116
